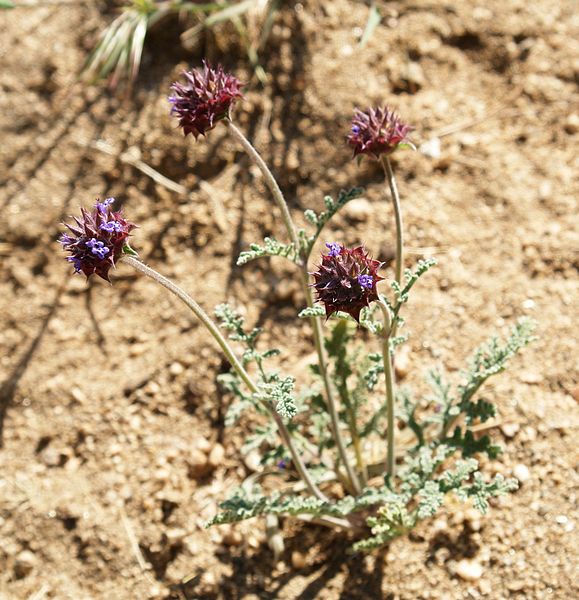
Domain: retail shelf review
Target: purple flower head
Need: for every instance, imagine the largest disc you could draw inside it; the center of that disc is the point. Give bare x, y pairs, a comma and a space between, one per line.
282, 464
96, 239
205, 98
347, 281
377, 131
334, 248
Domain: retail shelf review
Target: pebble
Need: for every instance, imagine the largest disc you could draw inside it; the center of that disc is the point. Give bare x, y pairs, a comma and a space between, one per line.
78, 395
522, 473
51, 457
252, 461
402, 362
298, 560
516, 586
485, 587
176, 535
469, 570
358, 210
216, 455
510, 429
176, 368
24, 563
431, 148
198, 464
531, 378
232, 538
203, 444
572, 124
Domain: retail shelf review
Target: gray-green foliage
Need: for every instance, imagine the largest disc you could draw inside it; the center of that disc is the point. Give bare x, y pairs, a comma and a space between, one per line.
438, 465
271, 386
441, 459
271, 247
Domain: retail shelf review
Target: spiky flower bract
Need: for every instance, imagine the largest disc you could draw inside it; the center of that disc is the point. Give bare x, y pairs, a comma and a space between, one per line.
204, 99
377, 131
96, 239
346, 280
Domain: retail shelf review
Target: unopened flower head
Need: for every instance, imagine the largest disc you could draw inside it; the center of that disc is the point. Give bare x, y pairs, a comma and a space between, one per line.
346, 280
377, 131
205, 98
96, 239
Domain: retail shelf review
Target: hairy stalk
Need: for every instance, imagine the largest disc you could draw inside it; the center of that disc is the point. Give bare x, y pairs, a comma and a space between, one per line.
389, 377
270, 181
357, 447
316, 324
235, 363
332, 404
397, 216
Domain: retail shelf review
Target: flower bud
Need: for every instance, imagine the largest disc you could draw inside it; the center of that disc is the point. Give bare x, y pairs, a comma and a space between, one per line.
346, 280
96, 239
378, 131
205, 98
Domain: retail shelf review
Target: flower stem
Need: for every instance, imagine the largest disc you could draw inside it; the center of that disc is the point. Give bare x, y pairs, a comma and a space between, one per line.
397, 216
388, 376
332, 403
235, 363
270, 181
316, 324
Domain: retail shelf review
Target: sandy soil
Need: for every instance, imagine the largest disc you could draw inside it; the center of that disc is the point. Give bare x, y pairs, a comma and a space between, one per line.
114, 443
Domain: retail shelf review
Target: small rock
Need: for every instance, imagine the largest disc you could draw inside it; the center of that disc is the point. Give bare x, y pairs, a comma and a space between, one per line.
402, 362
198, 464
24, 563
516, 586
440, 525
298, 560
232, 538
51, 457
484, 587
572, 124
78, 395
412, 78
204, 445
510, 429
522, 473
431, 148
358, 210
176, 368
469, 570
531, 378
252, 461
216, 455
176, 535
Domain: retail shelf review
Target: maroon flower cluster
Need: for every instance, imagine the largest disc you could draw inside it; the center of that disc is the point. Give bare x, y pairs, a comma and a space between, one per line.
377, 131
346, 280
204, 99
96, 239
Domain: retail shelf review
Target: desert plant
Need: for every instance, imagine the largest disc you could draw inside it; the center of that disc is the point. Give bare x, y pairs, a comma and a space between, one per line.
335, 439
117, 54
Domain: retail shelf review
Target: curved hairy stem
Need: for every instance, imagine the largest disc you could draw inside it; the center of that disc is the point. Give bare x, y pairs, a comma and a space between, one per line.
270, 181
389, 377
397, 217
235, 363
316, 323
